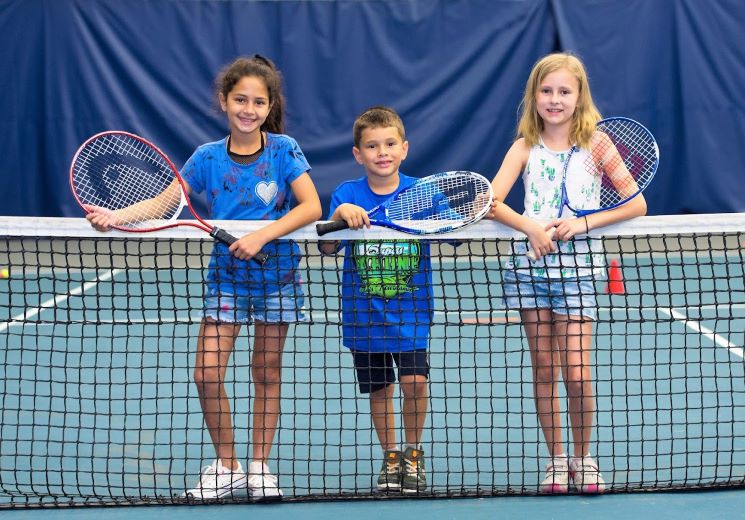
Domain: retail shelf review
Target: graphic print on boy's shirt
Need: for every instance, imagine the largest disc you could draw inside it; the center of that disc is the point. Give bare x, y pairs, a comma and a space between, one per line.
386, 268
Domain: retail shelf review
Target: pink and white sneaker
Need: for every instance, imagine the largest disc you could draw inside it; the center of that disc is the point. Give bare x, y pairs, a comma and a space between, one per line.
556, 480
586, 475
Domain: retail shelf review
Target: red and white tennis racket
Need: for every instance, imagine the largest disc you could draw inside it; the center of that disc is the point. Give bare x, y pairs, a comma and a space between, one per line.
131, 177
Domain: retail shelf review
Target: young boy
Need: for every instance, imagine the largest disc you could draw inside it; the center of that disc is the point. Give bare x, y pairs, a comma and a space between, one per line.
387, 302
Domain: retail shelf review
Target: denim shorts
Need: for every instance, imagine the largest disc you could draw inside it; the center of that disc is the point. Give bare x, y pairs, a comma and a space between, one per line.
573, 296
285, 306
375, 369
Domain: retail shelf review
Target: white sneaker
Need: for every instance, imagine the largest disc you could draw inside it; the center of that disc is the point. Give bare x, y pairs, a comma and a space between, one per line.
586, 475
218, 481
556, 480
262, 485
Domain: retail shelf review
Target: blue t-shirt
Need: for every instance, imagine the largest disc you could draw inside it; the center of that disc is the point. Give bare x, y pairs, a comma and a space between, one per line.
257, 191
387, 300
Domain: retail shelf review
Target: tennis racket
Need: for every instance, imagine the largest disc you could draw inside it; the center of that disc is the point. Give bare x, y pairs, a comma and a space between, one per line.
625, 156
435, 204
133, 178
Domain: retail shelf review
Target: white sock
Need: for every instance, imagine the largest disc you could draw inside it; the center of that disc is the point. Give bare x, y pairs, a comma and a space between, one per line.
258, 467
416, 446
222, 468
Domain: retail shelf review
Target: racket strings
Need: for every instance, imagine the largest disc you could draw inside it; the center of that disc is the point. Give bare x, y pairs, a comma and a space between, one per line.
627, 158
116, 171
446, 200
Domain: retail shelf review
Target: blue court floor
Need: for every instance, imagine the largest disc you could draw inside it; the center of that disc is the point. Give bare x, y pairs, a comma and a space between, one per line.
710, 505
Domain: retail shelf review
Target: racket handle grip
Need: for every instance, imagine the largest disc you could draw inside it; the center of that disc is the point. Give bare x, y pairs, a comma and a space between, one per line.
328, 227
223, 236
531, 253
228, 239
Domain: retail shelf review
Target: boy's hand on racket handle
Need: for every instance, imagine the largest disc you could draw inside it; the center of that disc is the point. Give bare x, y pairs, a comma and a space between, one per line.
355, 216
248, 246
540, 241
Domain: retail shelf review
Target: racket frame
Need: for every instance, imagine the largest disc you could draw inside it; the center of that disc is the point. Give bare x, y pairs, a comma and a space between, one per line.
653, 166
584, 212
215, 232
382, 208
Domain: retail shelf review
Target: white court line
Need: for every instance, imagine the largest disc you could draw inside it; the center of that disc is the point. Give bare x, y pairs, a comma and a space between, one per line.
695, 326
30, 313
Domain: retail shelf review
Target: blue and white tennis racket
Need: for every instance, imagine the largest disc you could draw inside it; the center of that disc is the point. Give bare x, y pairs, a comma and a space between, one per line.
625, 154
435, 204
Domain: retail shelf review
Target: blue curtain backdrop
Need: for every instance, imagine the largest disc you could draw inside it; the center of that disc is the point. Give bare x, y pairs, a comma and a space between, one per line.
454, 69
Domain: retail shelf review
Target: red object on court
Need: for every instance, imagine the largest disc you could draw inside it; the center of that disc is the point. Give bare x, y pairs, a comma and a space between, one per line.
615, 279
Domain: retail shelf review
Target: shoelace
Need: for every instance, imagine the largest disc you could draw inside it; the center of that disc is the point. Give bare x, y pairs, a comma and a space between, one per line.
587, 467
209, 476
552, 469
263, 480
392, 466
412, 466
209, 470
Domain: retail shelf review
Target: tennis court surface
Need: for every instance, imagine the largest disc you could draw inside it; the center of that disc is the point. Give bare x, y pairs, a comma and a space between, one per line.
98, 332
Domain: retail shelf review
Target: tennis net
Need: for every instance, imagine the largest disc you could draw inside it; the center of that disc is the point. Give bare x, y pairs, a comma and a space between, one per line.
97, 348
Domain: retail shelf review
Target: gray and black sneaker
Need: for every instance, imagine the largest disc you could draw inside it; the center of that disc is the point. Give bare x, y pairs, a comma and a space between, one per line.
390, 473
413, 479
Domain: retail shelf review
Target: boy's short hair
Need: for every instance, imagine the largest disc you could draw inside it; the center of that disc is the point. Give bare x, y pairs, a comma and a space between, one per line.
377, 117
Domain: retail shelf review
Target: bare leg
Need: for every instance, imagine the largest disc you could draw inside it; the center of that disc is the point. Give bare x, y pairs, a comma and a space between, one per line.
416, 401
574, 335
214, 347
266, 368
545, 360
383, 418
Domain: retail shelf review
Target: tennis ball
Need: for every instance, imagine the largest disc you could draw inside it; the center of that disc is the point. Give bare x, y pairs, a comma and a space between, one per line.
4, 273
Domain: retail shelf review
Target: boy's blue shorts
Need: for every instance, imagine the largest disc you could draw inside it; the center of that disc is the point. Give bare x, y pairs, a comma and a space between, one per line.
375, 369
572, 296
285, 306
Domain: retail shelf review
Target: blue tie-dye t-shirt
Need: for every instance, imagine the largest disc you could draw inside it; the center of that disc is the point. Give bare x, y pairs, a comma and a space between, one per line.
257, 191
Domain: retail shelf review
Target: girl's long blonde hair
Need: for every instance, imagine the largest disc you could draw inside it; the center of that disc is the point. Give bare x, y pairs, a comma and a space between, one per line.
586, 115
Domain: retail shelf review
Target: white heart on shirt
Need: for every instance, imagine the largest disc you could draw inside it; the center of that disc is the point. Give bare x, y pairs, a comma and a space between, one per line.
266, 191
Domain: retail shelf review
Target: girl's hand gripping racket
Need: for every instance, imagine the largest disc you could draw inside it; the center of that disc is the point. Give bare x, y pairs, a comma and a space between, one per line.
136, 182
435, 204
625, 156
